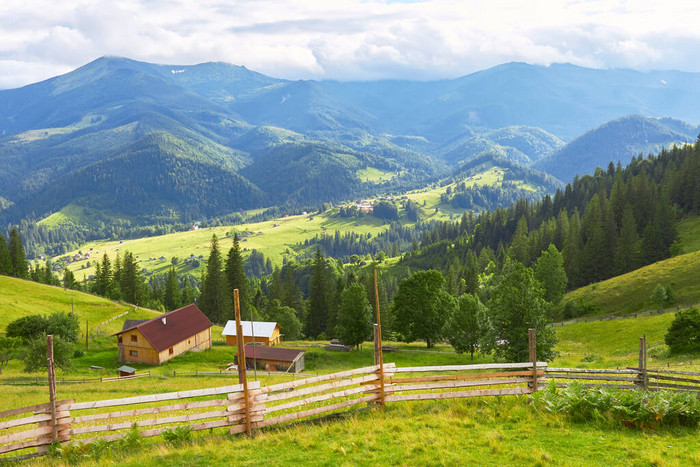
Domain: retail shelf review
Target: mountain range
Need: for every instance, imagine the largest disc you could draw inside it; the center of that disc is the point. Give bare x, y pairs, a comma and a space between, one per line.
159, 142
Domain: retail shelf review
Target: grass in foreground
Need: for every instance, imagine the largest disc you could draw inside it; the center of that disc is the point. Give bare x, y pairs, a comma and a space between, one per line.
503, 431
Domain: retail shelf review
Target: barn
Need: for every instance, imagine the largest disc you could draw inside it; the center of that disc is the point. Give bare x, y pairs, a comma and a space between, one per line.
267, 332
159, 339
274, 358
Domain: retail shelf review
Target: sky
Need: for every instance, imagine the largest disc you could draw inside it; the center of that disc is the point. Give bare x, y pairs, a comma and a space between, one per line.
347, 39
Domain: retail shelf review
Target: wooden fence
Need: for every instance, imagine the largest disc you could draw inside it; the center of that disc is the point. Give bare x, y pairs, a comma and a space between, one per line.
36, 380
276, 404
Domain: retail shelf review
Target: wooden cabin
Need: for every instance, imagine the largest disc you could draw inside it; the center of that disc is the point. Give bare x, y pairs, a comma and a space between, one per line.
159, 339
274, 358
266, 332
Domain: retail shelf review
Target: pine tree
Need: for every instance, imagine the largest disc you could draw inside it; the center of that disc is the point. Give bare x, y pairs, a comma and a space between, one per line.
187, 292
549, 270
20, 268
627, 251
132, 287
5, 259
317, 318
69, 280
573, 250
171, 296
236, 279
215, 301
518, 248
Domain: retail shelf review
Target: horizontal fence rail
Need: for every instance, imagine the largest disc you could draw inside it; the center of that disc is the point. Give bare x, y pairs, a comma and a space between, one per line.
292, 401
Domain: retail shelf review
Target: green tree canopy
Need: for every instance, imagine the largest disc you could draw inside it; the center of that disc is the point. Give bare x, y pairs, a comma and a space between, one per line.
684, 332
517, 304
354, 316
215, 301
236, 279
549, 270
466, 326
422, 306
286, 317
20, 268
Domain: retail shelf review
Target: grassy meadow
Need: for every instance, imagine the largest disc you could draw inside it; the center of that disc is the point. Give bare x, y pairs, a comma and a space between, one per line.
504, 431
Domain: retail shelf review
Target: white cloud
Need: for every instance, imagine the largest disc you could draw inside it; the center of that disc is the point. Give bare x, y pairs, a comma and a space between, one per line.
347, 39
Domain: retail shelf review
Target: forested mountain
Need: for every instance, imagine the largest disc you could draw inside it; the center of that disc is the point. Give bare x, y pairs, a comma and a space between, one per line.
618, 140
70, 139
605, 224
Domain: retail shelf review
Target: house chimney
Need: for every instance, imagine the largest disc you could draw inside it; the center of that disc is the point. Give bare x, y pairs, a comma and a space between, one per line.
163, 319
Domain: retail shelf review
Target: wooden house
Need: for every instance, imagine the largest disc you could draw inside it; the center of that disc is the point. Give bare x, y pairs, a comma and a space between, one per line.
274, 358
164, 337
267, 332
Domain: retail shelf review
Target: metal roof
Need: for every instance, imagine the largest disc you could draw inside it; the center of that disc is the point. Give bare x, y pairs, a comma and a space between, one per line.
264, 352
261, 328
168, 329
126, 369
132, 323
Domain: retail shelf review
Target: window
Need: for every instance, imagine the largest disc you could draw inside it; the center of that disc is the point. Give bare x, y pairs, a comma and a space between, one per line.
134, 338
170, 351
133, 353
119, 339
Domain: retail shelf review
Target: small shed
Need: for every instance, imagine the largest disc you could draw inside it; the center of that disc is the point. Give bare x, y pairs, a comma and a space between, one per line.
274, 358
266, 332
126, 371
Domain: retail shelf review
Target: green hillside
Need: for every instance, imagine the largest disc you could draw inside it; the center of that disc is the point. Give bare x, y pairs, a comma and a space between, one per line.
22, 298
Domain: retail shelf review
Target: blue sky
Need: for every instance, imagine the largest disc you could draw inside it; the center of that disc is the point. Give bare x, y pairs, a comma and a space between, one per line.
347, 39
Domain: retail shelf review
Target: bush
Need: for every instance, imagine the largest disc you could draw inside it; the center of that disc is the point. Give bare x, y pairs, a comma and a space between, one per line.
684, 332
78, 353
178, 436
638, 409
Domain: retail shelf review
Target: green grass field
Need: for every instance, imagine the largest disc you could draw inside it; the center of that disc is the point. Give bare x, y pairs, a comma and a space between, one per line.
488, 431
631, 292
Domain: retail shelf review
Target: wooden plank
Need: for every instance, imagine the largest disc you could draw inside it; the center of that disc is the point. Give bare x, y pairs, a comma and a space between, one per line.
321, 388
160, 397
424, 379
151, 410
157, 431
151, 422
459, 395
457, 384
483, 366
322, 397
674, 386
23, 445
22, 435
591, 385
25, 421
321, 378
33, 408
630, 371
311, 412
674, 378
671, 372
594, 377
241, 418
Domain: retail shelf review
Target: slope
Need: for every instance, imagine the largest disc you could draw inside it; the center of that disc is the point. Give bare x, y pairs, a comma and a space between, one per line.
618, 140
20, 298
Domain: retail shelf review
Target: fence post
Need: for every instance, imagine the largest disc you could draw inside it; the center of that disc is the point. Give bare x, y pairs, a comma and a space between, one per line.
378, 344
242, 378
532, 343
377, 351
645, 375
41, 450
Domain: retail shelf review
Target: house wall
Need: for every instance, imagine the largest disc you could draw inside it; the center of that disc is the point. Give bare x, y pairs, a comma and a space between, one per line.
199, 341
145, 351
147, 354
274, 339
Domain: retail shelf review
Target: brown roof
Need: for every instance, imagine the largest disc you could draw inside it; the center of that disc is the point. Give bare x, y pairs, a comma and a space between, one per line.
264, 352
179, 325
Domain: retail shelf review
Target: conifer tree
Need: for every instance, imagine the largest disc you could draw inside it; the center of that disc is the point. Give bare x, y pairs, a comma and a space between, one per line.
627, 251
215, 301
69, 281
132, 287
549, 270
171, 295
573, 250
317, 319
236, 279
5, 259
20, 268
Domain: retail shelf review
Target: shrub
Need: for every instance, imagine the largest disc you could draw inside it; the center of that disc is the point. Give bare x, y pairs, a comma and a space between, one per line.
638, 409
178, 435
684, 332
